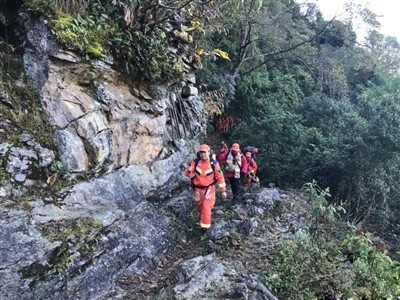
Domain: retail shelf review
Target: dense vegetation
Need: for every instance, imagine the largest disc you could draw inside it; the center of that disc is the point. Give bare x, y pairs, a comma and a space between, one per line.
318, 103
321, 106
329, 260
139, 37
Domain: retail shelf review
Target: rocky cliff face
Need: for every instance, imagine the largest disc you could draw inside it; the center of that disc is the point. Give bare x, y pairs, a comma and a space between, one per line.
101, 117
83, 219
122, 142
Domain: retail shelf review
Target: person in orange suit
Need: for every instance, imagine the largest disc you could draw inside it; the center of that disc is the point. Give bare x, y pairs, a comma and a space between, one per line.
251, 176
204, 172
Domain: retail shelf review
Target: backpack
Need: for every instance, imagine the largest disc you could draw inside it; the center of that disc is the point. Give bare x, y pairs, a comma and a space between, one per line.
253, 150
213, 162
212, 157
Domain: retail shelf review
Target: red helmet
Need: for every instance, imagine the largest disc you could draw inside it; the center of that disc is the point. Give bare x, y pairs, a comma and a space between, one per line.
204, 147
235, 147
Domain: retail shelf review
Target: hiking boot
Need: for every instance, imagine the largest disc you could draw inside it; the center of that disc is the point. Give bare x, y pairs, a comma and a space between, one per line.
200, 231
235, 199
203, 230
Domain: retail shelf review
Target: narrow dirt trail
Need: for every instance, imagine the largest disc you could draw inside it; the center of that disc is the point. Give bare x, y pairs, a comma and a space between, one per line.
247, 254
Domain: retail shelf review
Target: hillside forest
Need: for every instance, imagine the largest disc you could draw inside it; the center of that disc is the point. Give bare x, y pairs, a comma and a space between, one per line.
322, 106
318, 103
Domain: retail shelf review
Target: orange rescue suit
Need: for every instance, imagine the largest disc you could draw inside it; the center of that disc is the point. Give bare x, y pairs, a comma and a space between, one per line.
203, 178
251, 174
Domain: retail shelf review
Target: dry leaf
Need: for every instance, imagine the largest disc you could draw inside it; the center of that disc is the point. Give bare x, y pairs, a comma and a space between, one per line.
52, 179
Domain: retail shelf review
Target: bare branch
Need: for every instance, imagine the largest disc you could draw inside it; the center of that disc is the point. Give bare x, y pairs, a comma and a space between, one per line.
267, 55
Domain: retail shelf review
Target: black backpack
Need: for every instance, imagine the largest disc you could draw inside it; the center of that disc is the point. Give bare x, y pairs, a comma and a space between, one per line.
253, 150
213, 162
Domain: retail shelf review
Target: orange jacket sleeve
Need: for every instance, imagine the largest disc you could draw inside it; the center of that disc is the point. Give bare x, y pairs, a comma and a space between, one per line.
190, 171
245, 166
253, 166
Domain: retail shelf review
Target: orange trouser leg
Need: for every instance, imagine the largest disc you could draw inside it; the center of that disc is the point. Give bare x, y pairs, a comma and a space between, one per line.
204, 206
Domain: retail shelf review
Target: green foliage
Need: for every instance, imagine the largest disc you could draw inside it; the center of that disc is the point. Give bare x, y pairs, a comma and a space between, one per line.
135, 33
27, 113
50, 7
46, 7
71, 6
62, 231
213, 83
338, 34
305, 268
80, 232
335, 263
146, 54
56, 166
334, 119
282, 141
377, 275
301, 269
20, 105
228, 214
320, 208
86, 33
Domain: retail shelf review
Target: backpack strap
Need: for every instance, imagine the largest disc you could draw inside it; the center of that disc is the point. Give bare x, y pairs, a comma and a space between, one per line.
238, 161
212, 163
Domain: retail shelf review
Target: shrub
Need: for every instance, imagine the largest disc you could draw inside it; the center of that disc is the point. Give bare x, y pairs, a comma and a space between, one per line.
309, 268
335, 263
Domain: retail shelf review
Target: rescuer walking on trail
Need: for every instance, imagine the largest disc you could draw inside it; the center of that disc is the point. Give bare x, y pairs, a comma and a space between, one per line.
236, 166
251, 176
204, 172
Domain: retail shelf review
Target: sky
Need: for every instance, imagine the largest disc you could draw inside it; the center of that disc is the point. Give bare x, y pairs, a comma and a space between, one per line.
388, 9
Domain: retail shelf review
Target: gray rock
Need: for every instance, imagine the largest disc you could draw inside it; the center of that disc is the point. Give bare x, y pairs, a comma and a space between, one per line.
71, 151
25, 137
20, 177
4, 147
130, 238
128, 132
206, 278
